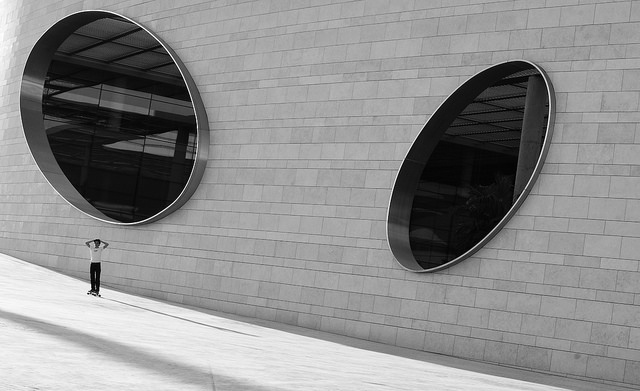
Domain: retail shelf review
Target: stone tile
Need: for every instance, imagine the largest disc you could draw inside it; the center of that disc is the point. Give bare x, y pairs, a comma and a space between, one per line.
439, 343
469, 348
615, 297
558, 37
602, 153
558, 306
528, 272
431, 293
629, 79
593, 35
473, 317
634, 338
460, 295
574, 330
543, 17
607, 209
530, 240
553, 343
625, 315
524, 303
632, 372
452, 25
595, 311
567, 362
443, 313
493, 41
499, 352
481, 22
567, 243
525, 39
628, 281
505, 321
562, 275
578, 293
414, 309
412, 339
571, 207
612, 12
584, 102
598, 279
491, 299
577, 15
403, 289
512, 20
629, 247
538, 325
556, 184
532, 357
626, 154
610, 335
606, 368
604, 80
619, 264
602, 246
594, 186
620, 101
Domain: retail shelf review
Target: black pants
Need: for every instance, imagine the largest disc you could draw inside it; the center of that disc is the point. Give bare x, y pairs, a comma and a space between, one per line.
94, 271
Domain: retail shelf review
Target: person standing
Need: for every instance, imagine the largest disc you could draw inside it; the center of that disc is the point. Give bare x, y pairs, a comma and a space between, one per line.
96, 246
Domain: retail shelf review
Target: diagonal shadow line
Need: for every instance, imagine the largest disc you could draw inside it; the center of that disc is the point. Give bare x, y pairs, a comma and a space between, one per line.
180, 318
133, 356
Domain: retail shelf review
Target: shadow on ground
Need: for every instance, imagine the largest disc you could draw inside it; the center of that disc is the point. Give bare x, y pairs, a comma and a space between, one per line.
130, 355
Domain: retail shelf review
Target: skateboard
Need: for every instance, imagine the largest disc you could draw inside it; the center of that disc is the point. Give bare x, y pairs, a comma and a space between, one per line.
93, 293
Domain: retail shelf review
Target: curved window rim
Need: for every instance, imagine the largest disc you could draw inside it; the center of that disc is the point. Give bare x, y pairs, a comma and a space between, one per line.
404, 187
31, 96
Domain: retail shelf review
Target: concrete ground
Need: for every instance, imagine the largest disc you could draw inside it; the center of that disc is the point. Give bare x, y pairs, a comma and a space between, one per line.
55, 337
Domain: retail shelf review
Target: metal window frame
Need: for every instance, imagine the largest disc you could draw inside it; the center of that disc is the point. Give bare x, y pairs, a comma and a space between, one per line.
31, 94
408, 176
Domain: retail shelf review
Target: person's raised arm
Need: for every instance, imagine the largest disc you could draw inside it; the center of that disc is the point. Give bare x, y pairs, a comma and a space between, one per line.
105, 244
87, 242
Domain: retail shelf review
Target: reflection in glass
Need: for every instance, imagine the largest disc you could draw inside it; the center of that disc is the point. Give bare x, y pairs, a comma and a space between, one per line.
119, 119
478, 168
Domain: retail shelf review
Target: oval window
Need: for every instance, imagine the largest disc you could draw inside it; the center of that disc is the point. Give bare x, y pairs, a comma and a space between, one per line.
112, 118
471, 166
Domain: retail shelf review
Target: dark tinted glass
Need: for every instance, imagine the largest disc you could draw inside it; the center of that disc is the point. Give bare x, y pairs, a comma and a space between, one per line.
469, 182
119, 119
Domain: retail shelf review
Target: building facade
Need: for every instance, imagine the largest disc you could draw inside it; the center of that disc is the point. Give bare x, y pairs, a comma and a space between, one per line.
312, 107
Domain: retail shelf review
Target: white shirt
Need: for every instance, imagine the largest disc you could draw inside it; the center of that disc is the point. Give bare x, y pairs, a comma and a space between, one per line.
96, 252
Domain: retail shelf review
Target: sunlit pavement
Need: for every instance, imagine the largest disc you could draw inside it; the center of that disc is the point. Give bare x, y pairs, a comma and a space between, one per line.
55, 337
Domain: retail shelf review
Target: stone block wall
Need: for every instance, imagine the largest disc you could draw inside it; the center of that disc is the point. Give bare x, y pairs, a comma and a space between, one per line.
312, 107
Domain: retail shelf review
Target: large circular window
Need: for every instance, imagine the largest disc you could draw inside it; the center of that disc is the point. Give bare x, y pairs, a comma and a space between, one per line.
112, 118
471, 166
